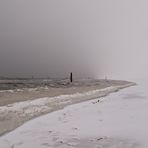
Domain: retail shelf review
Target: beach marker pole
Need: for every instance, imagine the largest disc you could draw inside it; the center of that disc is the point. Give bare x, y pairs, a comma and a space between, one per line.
71, 77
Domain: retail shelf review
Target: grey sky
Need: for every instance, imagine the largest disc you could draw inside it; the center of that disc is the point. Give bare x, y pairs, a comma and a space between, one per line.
97, 38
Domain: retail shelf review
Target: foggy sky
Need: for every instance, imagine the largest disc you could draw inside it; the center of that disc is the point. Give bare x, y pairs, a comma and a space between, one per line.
95, 38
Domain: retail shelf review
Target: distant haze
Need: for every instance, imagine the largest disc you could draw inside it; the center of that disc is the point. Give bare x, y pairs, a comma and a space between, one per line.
91, 38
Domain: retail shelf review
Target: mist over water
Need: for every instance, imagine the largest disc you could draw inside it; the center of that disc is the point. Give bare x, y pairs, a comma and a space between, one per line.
91, 38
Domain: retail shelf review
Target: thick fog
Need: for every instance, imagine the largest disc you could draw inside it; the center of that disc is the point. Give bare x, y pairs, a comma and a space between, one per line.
91, 38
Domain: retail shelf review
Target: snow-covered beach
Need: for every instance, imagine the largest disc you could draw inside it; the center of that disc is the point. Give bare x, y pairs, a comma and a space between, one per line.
115, 121
14, 115
28, 104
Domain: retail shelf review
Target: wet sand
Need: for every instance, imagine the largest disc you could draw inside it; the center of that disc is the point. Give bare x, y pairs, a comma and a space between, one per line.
19, 94
11, 117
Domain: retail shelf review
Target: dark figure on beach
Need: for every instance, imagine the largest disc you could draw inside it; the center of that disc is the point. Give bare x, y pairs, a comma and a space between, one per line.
71, 77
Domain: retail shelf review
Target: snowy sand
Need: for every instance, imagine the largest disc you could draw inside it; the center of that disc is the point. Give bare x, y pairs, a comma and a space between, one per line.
14, 115
12, 91
116, 121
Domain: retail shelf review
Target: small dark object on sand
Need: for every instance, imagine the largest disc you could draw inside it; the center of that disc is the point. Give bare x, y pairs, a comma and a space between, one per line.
99, 139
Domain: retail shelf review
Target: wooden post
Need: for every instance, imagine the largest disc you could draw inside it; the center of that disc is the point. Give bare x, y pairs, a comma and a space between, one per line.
71, 77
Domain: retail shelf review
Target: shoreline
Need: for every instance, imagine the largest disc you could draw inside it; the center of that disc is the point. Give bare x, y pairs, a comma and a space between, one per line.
16, 114
23, 90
